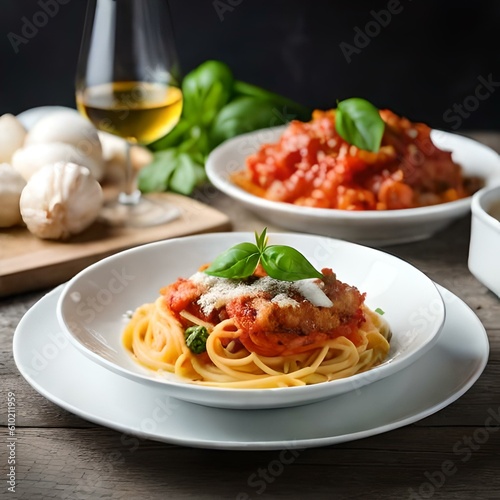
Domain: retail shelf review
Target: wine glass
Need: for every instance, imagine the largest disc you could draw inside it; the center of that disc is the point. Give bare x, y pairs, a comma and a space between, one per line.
127, 84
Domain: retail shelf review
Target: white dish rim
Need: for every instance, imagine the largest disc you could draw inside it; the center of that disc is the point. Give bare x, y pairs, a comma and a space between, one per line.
478, 209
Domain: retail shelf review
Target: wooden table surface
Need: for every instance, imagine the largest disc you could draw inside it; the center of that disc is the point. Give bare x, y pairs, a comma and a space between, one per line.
451, 454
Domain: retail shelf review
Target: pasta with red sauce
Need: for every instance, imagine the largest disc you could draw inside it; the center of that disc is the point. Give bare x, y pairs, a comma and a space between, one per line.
311, 165
260, 332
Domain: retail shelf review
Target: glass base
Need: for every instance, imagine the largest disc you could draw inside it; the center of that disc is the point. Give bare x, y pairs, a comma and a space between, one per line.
134, 210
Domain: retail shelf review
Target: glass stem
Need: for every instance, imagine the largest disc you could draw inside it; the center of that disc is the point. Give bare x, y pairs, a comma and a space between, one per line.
129, 195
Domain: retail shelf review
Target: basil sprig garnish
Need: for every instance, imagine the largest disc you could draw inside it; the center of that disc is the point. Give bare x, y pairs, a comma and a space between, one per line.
281, 262
359, 123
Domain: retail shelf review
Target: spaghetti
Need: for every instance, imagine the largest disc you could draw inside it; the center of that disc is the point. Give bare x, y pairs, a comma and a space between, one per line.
262, 332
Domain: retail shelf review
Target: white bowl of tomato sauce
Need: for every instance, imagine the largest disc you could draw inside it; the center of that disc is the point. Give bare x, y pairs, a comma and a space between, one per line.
375, 225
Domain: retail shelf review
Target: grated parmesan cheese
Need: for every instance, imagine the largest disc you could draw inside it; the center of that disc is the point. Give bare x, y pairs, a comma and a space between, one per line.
217, 292
283, 300
412, 133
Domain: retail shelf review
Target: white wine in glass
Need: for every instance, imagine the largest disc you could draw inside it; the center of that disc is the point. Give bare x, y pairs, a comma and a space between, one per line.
127, 84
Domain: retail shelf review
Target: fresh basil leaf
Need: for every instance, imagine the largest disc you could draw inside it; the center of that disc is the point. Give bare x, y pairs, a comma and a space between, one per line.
247, 89
198, 158
196, 338
215, 96
187, 175
261, 240
206, 89
196, 141
359, 123
287, 264
237, 262
244, 114
175, 137
155, 176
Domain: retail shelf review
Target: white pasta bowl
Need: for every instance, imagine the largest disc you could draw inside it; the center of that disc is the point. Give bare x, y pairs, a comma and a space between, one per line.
93, 308
376, 227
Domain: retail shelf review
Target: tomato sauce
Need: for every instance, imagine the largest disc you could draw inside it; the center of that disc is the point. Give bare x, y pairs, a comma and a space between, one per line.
311, 165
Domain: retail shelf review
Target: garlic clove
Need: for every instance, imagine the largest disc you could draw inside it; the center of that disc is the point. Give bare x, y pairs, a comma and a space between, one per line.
70, 128
114, 155
60, 200
31, 158
12, 135
113, 147
11, 186
31, 116
140, 156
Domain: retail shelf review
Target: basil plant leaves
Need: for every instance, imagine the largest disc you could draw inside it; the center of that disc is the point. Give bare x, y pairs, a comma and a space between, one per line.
359, 123
280, 262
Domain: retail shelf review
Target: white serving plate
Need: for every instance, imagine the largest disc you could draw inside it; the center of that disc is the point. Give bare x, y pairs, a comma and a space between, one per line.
54, 368
92, 306
376, 228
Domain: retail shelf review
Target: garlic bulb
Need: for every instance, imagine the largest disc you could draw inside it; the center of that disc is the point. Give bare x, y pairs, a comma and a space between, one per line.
29, 159
12, 135
60, 200
70, 128
11, 185
114, 151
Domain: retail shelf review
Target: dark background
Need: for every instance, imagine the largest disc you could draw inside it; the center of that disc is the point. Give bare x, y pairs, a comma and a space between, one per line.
428, 58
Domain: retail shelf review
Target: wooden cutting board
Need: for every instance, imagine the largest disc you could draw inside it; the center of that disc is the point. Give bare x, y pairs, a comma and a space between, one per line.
29, 263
